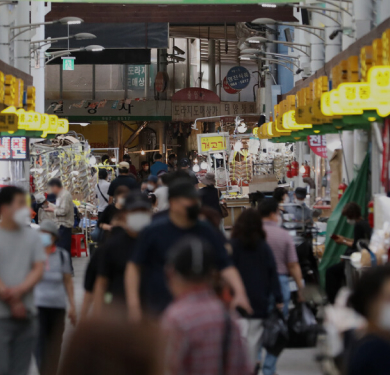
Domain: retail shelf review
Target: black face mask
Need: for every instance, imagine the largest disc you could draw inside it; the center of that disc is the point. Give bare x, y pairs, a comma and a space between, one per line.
193, 212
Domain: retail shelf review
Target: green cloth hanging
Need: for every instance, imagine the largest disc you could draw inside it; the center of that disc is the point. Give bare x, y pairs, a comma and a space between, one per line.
337, 224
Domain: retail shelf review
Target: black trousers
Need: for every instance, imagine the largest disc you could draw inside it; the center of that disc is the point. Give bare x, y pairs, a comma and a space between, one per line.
51, 328
65, 241
334, 280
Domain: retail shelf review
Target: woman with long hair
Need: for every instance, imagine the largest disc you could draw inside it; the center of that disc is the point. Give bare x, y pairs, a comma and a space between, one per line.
254, 260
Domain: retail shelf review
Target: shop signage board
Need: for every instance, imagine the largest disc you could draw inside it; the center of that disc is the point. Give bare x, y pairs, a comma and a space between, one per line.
68, 63
110, 110
136, 77
196, 94
14, 148
190, 111
212, 142
238, 77
317, 144
227, 88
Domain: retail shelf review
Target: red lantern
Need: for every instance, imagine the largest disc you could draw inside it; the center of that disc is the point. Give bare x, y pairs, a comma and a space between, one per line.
289, 173
371, 214
305, 170
342, 187
294, 168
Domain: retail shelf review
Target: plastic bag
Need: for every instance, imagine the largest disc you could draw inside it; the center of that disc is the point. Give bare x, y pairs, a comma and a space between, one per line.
275, 335
302, 326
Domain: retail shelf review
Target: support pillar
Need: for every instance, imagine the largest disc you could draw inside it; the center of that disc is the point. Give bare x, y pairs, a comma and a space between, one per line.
162, 67
317, 47
347, 148
211, 66
332, 47
363, 16
115, 133
188, 64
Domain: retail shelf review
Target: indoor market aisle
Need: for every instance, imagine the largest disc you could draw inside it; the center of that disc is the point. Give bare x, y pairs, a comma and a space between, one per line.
292, 362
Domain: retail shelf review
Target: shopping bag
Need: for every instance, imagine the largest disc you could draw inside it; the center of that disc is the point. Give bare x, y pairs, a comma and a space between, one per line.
302, 326
275, 335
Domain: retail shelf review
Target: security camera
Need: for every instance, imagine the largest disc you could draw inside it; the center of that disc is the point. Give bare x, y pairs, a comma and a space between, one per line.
178, 50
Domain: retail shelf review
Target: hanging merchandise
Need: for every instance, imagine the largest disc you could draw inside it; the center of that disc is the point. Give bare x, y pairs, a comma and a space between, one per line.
305, 170
371, 213
253, 145
342, 187
288, 171
294, 168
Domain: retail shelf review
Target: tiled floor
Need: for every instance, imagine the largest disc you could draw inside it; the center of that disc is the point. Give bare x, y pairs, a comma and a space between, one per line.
291, 362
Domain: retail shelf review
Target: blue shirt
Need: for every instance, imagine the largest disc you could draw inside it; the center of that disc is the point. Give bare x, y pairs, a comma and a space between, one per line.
157, 167
151, 251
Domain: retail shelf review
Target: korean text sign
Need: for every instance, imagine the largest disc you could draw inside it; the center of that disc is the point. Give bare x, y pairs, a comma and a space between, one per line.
212, 142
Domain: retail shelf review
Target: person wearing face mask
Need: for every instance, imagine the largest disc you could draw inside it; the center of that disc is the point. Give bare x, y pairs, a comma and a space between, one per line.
371, 299
21, 267
123, 179
113, 256
154, 243
151, 184
104, 222
50, 297
335, 275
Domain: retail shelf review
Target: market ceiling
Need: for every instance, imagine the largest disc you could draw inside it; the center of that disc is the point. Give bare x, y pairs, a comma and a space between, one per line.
216, 13
164, 2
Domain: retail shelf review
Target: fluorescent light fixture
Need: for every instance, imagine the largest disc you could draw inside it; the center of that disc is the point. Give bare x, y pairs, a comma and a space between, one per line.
264, 21
70, 20
268, 5
80, 123
94, 48
245, 58
83, 36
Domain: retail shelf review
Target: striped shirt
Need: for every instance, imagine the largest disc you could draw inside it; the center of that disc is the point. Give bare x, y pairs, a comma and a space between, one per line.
282, 246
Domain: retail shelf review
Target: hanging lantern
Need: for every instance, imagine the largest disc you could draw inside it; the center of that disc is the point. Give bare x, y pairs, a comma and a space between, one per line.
341, 190
294, 168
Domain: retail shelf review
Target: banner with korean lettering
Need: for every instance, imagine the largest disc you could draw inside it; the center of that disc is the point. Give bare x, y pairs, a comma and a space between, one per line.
212, 142
317, 144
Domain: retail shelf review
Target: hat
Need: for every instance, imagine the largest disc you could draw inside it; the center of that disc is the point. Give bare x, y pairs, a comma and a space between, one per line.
49, 226
183, 188
184, 162
152, 178
300, 193
124, 165
40, 198
136, 201
208, 179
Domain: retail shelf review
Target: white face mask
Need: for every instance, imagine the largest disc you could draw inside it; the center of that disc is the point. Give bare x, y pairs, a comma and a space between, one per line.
351, 222
46, 239
22, 217
150, 187
121, 201
138, 221
384, 317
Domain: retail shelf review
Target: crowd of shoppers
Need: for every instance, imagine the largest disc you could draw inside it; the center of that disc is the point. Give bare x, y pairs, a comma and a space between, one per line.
161, 287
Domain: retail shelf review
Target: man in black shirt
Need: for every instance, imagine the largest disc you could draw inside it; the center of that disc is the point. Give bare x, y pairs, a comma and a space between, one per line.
122, 179
113, 256
149, 258
335, 275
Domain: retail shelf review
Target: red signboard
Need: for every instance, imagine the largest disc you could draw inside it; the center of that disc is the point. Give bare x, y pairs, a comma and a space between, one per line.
228, 89
317, 143
196, 94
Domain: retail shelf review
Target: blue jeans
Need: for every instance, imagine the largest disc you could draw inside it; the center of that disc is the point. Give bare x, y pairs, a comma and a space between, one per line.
269, 366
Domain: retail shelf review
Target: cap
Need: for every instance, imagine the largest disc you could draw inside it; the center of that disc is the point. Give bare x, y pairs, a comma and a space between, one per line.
208, 179
300, 193
184, 162
137, 201
49, 226
152, 178
191, 258
40, 198
124, 165
183, 188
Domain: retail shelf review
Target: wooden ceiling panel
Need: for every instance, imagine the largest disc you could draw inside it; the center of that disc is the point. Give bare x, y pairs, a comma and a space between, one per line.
174, 14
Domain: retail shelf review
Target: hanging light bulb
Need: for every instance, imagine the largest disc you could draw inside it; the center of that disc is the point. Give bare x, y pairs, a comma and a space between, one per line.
196, 168
142, 152
196, 161
238, 146
203, 165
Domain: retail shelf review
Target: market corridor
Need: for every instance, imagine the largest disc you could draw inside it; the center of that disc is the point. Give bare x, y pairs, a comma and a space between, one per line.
292, 362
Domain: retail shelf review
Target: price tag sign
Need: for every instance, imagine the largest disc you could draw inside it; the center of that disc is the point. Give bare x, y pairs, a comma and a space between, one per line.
212, 142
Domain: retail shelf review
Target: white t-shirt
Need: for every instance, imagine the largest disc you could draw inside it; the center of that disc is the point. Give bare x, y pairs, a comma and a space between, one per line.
102, 203
161, 194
